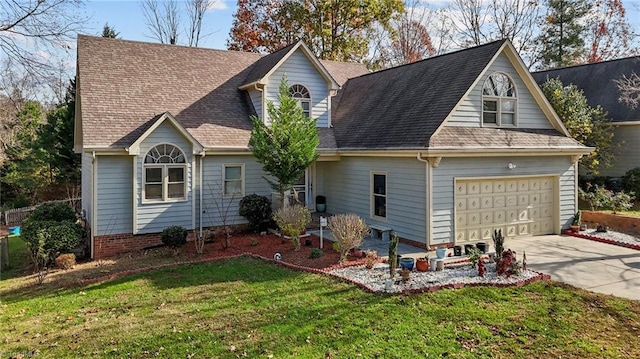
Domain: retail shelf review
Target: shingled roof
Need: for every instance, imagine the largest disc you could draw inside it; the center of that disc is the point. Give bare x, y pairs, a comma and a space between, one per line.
124, 85
401, 107
597, 82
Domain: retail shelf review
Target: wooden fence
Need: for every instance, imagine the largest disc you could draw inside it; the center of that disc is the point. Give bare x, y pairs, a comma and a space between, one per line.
14, 217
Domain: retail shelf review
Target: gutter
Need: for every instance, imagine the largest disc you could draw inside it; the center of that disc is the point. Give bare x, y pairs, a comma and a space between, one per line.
200, 191
94, 200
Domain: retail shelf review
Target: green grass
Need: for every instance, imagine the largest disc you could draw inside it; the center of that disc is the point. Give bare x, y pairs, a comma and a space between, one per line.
18, 258
246, 307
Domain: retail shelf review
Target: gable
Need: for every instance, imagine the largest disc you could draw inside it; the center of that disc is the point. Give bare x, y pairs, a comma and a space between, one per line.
528, 112
300, 70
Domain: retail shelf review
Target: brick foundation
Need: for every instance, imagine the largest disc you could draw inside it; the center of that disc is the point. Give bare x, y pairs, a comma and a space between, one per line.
115, 244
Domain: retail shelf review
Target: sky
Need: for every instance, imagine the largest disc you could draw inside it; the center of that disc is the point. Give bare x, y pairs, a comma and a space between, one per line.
127, 18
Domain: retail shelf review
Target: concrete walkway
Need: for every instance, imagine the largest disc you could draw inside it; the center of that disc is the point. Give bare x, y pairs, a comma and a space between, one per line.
598, 267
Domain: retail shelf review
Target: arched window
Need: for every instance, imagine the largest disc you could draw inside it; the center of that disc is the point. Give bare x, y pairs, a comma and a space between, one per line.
302, 95
499, 101
164, 169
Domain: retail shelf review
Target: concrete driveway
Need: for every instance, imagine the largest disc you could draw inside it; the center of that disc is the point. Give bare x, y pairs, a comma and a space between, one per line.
598, 267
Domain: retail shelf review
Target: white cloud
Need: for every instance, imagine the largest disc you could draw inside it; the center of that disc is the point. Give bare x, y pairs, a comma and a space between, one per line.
218, 5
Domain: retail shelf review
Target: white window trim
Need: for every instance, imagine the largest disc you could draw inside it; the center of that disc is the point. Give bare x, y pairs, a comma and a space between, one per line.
372, 211
498, 100
224, 179
165, 177
300, 100
165, 182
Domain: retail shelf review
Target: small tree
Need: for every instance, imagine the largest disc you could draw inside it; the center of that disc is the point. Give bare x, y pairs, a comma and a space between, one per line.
292, 221
348, 230
285, 143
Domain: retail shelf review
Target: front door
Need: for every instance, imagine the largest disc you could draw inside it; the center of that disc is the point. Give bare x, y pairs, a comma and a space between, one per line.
303, 189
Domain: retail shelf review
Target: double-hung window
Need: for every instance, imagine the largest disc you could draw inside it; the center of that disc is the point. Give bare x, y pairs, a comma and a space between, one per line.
498, 101
379, 195
164, 174
302, 95
233, 175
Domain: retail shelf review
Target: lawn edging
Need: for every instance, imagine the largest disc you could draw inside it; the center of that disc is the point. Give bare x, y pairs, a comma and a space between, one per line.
602, 240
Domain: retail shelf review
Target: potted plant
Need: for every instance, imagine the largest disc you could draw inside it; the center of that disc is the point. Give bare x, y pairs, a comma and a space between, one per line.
407, 263
441, 252
575, 225
422, 264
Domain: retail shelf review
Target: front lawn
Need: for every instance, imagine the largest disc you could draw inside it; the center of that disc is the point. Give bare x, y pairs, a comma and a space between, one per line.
249, 308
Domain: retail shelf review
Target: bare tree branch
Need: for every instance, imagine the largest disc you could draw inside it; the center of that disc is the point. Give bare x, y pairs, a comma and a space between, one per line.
629, 88
163, 22
196, 10
33, 31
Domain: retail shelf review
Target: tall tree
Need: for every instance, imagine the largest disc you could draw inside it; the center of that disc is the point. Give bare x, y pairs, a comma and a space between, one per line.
30, 28
334, 30
287, 146
196, 9
109, 31
588, 125
563, 32
609, 35
162, 20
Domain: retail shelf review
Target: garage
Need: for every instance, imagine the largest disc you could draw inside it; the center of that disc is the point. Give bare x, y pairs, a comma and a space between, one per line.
518, 206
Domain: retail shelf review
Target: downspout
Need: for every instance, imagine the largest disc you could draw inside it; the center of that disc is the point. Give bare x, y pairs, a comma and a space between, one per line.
427, 200
94, 205
262, 107
200, 191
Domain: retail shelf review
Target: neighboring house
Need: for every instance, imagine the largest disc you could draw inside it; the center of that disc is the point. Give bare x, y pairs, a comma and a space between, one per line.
442, 150
598, 83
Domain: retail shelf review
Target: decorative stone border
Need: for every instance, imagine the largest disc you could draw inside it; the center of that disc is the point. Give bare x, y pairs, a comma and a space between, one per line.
325, 271
601, 240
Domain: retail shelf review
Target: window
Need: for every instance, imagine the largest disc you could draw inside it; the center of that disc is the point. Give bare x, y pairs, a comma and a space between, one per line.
301, 94
499, 101
233, 180
379, 194
164, 172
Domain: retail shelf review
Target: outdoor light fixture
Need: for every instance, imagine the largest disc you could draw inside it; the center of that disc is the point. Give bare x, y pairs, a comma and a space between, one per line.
511, 166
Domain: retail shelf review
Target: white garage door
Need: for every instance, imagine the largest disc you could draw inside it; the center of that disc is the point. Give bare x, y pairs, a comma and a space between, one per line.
517, 206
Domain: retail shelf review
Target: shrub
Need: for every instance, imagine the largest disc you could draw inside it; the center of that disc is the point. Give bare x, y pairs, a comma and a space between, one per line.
508, 264
66, 261
49, 238
292, 221
498, 242
316, 253
370, 259
596, 196
257, 210
621, 201
631, 180
348, 230
174, 237
55, 211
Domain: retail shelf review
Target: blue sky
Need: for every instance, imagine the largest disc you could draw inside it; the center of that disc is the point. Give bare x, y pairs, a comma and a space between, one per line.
127, 18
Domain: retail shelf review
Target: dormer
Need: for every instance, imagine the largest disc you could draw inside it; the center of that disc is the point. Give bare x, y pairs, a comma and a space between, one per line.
310, 82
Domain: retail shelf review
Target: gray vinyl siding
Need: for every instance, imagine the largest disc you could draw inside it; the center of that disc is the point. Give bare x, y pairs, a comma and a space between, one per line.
528, 113
346, 184
214, 205
256, 99
87, 184
155, 217
456, 168
299, 70
114, 195
628, 147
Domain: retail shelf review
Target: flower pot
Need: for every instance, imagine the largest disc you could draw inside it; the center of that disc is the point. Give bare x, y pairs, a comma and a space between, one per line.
457, 251
407, 263
321, 207
441, 253
482, 247
583, 227
574, 228
422, 265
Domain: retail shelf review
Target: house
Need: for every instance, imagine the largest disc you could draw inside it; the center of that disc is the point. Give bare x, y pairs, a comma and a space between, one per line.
441, 151
597, 81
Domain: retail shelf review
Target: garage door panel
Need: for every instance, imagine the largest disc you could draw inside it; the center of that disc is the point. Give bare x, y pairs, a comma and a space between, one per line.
517, 206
